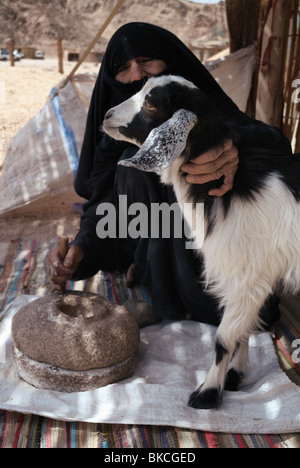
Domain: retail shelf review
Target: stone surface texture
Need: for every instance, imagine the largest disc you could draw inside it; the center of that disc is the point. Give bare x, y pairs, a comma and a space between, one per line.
74, 342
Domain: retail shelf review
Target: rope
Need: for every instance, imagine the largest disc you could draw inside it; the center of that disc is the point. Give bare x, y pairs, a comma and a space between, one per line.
266, 61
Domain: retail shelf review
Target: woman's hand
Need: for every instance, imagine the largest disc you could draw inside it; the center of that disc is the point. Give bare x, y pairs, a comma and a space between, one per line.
212, 165
61, 272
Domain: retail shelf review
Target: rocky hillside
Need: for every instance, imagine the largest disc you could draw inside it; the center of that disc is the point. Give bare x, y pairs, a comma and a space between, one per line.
38, 22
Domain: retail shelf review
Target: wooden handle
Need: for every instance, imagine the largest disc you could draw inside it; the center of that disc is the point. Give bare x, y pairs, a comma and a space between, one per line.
63, 247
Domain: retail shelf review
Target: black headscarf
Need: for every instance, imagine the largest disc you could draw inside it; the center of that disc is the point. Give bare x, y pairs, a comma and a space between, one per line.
99, 154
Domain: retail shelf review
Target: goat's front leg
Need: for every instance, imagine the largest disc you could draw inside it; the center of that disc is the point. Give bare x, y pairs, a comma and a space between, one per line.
231, 352
237, 367
209, 395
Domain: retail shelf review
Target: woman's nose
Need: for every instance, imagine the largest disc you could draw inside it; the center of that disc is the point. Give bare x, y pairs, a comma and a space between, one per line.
137, 72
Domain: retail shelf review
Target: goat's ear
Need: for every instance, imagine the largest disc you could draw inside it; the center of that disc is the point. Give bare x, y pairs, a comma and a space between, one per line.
164, 143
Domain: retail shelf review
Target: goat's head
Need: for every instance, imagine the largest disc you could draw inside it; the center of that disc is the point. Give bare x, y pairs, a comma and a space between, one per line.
159, 120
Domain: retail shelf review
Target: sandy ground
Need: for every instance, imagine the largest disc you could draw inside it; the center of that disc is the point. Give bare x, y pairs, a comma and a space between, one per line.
24, 90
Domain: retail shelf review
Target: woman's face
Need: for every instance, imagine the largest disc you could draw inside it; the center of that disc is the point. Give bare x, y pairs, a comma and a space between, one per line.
138, 68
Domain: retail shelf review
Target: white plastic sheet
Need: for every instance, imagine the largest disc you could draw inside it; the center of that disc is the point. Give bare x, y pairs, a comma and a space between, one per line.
234, 73
44, 155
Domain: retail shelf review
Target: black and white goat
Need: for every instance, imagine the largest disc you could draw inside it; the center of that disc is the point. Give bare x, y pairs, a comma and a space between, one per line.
252, 237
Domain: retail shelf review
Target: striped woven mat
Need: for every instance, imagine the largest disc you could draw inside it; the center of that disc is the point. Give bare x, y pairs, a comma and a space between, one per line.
23, 271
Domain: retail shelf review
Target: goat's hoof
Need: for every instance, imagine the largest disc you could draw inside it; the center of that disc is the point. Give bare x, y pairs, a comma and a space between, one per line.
233, 380
206, 399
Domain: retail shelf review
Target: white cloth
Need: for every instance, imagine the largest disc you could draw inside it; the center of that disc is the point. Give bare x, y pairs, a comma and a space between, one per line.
234, 73
174, 359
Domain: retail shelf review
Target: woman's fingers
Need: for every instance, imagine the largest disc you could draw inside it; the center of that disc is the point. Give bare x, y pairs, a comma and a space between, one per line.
62, 271
212, 165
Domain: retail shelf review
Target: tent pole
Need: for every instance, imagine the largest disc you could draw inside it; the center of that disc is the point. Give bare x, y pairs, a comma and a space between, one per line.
269, 103
90, 47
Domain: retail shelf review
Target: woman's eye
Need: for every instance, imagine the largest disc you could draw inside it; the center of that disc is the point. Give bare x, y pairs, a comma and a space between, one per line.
144, 60
122, 69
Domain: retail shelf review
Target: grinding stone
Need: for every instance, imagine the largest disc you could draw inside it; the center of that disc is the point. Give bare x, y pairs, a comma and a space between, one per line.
74, 342
46, 376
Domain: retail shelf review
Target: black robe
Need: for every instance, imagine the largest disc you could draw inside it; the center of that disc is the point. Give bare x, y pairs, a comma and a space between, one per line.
165, 265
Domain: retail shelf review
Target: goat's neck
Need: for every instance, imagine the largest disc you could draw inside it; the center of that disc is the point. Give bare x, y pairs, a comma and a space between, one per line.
173, 176
193, 214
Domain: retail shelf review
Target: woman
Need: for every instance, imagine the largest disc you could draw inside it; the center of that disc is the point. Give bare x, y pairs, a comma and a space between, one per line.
135, 52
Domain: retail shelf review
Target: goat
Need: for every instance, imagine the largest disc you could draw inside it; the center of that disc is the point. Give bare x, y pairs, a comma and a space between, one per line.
251, 243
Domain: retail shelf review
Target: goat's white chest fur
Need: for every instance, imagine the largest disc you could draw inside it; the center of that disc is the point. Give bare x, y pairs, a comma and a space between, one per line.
193, 214
249, 247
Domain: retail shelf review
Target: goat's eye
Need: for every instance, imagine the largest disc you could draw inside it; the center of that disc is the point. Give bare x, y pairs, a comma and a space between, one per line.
149, 106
